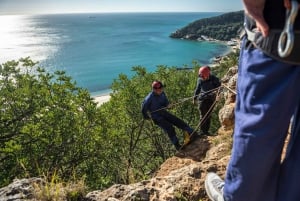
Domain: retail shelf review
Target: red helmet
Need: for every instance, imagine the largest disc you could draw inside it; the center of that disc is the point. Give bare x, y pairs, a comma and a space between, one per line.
157, 85
204, 71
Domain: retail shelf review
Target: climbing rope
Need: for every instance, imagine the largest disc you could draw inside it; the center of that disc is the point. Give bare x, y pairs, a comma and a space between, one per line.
204, 118
185, 99
227, 87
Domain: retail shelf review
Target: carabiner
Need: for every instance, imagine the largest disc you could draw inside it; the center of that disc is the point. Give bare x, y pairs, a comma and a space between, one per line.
286, 40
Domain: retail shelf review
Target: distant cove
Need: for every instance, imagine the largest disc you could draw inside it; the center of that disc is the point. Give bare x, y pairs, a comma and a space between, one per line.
95, 48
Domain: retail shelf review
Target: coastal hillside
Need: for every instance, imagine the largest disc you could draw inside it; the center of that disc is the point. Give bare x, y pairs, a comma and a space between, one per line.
58, 145
223, 27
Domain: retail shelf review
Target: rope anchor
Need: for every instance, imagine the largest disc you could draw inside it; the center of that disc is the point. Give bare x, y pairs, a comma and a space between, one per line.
286, 39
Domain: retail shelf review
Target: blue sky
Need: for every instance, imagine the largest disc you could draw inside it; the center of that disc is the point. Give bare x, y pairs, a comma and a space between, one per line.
74, 6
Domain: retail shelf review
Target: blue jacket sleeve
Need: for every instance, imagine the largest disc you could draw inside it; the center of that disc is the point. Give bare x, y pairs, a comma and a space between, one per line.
145, 106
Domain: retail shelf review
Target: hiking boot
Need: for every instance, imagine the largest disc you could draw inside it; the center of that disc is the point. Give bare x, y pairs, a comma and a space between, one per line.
194, 136
214, 187
186, 138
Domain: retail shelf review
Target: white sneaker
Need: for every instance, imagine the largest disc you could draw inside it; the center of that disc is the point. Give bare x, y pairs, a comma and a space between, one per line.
214, 187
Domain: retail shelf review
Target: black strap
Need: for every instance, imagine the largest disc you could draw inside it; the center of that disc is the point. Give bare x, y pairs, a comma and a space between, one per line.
269, 44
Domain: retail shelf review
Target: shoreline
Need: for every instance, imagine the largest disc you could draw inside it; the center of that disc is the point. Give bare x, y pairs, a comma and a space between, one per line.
216, 60
105, 97
100, 99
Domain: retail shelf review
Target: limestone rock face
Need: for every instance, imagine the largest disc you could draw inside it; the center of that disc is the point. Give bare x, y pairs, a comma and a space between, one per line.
19, 190
226, 114
181, 176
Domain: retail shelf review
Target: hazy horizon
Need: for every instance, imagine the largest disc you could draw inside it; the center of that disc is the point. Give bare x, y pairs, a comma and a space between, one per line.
21, 7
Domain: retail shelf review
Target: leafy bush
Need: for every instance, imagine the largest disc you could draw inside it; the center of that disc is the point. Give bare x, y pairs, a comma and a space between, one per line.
47, 124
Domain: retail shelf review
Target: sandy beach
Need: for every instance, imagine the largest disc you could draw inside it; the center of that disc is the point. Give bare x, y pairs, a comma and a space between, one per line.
101, 99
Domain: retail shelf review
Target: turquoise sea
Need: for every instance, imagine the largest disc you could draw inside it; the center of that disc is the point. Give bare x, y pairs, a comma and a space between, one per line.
95, 48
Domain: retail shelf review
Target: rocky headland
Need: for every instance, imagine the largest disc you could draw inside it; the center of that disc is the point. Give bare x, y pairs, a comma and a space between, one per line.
219, 28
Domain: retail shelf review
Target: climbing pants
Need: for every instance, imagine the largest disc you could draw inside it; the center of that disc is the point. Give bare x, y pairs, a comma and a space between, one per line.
268, 99
167, 121
205, 114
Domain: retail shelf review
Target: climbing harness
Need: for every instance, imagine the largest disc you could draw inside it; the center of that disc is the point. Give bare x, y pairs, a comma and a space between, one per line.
282, 44
286, 39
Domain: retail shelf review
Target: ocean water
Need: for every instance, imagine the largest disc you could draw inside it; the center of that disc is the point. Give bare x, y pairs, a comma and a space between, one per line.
95, 48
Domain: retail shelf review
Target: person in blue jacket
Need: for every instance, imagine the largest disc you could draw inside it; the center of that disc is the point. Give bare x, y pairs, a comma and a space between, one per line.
156, 103
268, 97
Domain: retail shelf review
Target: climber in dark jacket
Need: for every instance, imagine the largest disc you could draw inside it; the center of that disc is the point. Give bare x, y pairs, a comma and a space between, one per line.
156, 103
206, 96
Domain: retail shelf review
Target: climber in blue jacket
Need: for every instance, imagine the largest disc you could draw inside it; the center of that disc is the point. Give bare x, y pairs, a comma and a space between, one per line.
156, 103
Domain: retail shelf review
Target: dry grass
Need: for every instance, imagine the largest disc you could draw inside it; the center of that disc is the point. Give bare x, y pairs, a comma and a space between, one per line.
224, 137
56, 190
